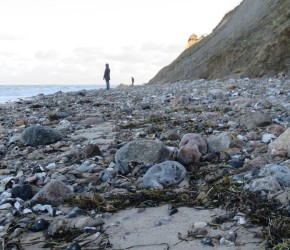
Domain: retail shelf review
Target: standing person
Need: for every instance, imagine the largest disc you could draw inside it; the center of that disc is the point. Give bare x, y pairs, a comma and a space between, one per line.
132, 81
107, 76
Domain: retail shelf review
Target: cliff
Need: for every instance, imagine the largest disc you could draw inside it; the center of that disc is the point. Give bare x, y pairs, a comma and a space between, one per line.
253, 40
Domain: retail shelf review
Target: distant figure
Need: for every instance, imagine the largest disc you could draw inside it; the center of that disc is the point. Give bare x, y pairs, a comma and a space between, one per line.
132, 81
107, 76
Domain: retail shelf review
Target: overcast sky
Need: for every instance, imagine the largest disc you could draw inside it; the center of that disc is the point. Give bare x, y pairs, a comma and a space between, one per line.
69, 41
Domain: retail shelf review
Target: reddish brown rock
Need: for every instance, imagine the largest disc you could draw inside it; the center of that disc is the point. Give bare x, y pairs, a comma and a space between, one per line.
252, 136
275, 129
191, 148
188, 154
174, 102
256, 162
92, 150
243, 101
91, 121
55, 193
21, 122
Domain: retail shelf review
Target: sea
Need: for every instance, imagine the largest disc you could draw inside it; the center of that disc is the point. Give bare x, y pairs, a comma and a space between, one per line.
18, 92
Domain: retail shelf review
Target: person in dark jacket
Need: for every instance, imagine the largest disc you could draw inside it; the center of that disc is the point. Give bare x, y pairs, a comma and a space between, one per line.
107, 76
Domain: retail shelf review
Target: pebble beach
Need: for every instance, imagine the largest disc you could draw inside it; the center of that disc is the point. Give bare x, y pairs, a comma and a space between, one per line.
148, 167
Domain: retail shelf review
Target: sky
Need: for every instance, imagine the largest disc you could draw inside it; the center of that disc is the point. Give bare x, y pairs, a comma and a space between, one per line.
70, 41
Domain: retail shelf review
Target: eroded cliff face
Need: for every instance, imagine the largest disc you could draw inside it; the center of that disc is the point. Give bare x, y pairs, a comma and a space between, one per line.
193, 39
253, 40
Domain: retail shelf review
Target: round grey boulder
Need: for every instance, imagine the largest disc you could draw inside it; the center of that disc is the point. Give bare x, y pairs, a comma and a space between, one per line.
164, 174
143, 151
280, 173
268, 184
40, 135
218, 143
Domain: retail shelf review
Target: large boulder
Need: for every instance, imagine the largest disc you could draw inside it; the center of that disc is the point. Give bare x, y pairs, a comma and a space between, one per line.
164, 174
266, 184
252, 120
54, 193
191, 148
40, 135
143, 151
218, 143
282, 143
280, 173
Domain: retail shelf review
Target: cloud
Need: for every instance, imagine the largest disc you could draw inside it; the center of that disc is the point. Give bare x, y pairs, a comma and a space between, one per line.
47, 55
161, 47
7, 54
10, 37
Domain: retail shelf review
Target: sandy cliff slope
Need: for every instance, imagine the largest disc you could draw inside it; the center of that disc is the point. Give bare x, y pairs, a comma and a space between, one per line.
252, 40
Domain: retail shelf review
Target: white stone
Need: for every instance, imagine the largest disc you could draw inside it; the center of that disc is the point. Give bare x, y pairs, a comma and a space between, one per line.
200, 224
51, 166
5, 206
242, 138
267, 138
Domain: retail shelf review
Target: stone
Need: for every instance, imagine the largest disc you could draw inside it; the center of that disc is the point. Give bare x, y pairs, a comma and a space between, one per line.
174, 102
275, 129
200, 224
38, 225
58, 228
82, 222
191, 148
254, 163
164, 174
40, 135
218, 143
122, 167
55, 193
92, 150
75, 212
280, 173
91, 121
267, 138
282, 143
194, 139
143, 151
86, 167
252, 120
268, 184
21, 122
59, 115
5, 206
23, 192
236, 164
107, 174
252, 136
44, 208
74, 246
170, 135
188, 154
242, 101
5, 182
145, 106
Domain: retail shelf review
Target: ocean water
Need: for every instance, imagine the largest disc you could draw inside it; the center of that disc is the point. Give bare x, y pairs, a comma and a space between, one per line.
16, 92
